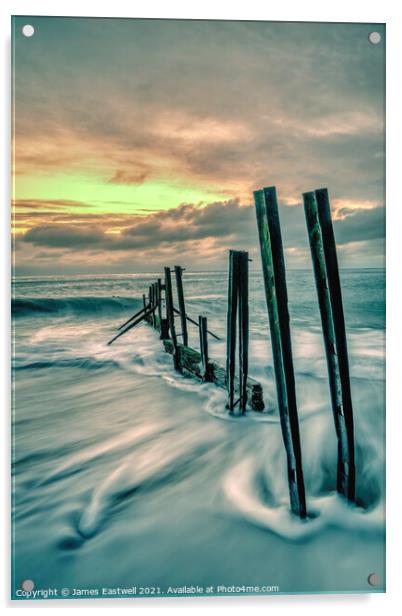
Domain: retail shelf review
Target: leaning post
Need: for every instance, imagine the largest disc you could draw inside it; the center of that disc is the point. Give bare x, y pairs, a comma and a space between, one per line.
273, 267
324, 302
170, 314
178, 270
335, 292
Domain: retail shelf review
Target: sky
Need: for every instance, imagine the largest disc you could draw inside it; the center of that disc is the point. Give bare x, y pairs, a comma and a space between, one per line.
138, 143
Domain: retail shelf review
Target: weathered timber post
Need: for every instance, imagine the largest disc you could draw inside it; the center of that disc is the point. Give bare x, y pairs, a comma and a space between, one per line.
155, 285
233, 286
237, 303
203, 329
144, 300
153, 296
243, 328
164, 320
327, 322
159, 301
178, 270
170, 315
347, 477
273, 267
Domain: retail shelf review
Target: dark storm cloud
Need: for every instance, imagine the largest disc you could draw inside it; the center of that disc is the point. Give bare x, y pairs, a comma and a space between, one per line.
232, 224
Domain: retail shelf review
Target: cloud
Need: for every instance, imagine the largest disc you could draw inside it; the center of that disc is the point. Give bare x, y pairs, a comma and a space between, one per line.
63, 236
133, 177
234, 104
202, 235
226, 106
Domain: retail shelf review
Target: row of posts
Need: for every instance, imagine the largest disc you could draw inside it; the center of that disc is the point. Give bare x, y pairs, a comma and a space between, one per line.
167, 325
326, 271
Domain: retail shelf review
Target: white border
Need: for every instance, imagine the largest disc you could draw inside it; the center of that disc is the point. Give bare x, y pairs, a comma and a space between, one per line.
388, 11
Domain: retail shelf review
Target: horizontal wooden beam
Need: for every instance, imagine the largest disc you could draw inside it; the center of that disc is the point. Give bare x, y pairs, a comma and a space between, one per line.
190, 362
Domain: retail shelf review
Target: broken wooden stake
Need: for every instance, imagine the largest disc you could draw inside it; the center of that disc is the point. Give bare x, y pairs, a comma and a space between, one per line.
204, 347
195, 323
145, 315
137, 314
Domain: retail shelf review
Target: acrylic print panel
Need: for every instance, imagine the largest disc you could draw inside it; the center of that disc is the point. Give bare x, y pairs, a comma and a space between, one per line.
198, 308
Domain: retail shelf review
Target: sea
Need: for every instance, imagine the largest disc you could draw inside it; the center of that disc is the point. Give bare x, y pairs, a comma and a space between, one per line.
130, 479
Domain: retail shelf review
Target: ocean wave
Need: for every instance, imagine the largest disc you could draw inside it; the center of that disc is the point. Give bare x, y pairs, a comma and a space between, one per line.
88, 363
26, 307
331, 510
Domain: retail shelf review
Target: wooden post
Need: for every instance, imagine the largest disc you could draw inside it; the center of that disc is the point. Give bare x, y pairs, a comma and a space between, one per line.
273, 267
152, 300
347, 472
170, 314
203, 329
243, 328
159, 301
164, 320
324, 302
144, 300
155, 286
233, 286
121, 332
180, 298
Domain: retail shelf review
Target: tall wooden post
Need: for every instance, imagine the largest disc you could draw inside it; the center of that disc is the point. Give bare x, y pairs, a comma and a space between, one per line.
203, 329
144, 300
159, 295
243, 328
180, 298
324, 301
347, 472
273, 267
170, 314
233, 285
153, 298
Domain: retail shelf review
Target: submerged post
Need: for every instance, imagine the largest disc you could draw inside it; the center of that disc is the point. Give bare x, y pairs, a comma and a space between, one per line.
243, 328
237, 303
153, 302
203, 329
327, 322
178, 270
344, 413
273, 267
170, 314
233, 285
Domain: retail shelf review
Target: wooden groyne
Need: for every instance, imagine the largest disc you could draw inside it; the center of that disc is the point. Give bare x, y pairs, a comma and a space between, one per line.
159, 311
244, 392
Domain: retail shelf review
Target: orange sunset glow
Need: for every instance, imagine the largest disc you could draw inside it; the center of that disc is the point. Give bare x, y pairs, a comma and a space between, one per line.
134, 139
